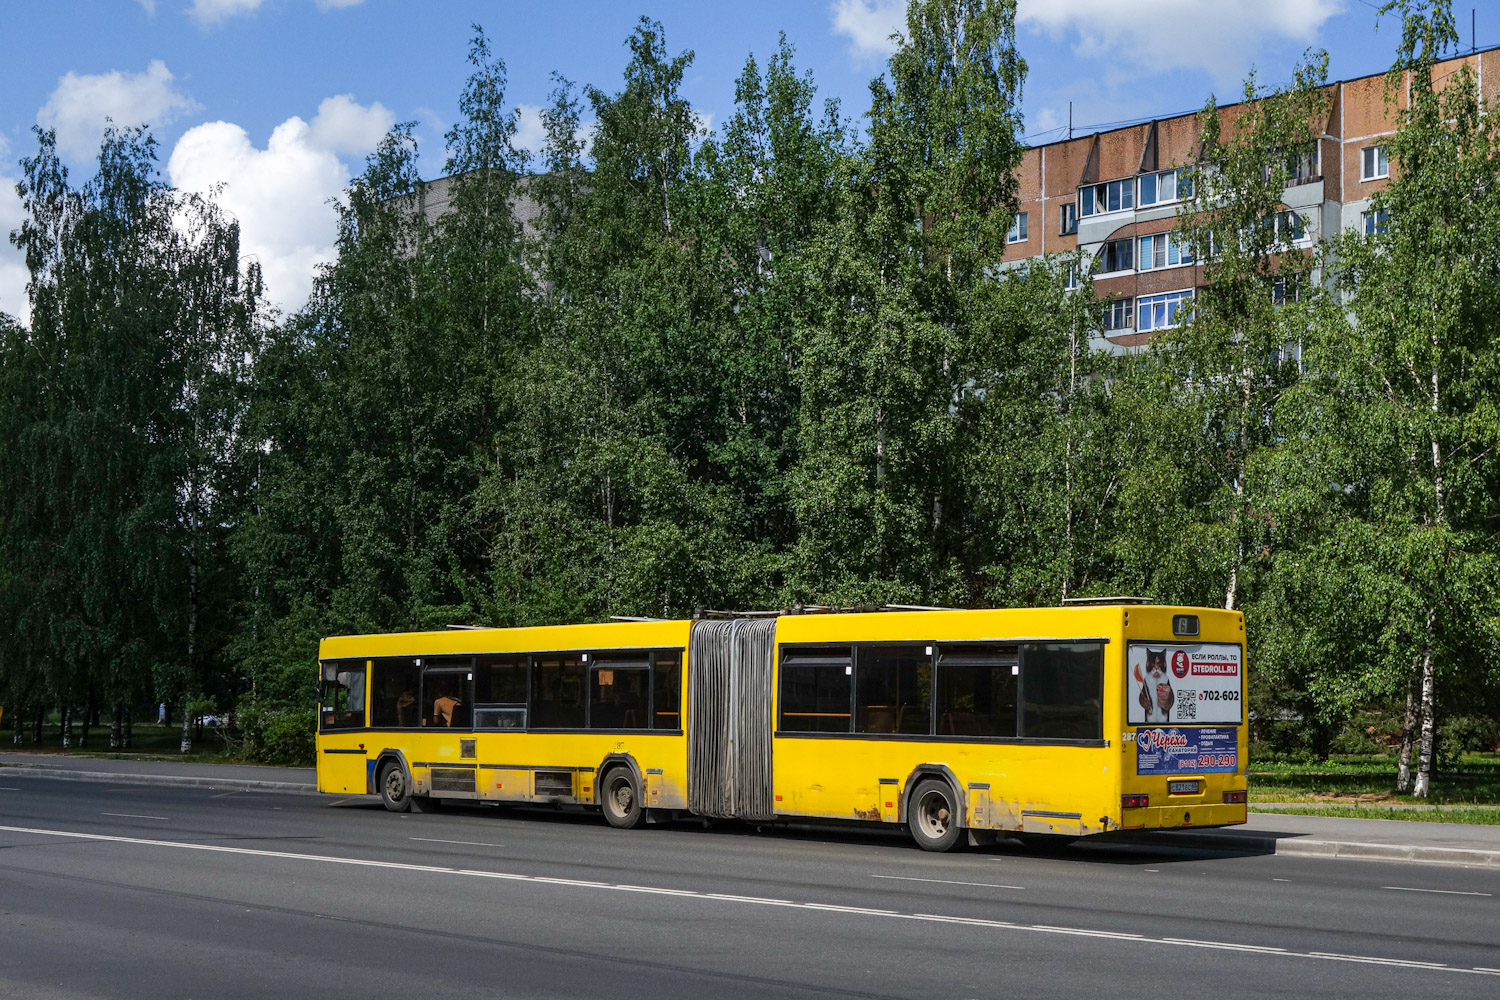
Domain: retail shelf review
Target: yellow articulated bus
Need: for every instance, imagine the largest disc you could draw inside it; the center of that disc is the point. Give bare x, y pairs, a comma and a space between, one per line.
1090, 718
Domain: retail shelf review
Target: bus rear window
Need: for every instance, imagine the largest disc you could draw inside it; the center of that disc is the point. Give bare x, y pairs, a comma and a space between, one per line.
1064, 691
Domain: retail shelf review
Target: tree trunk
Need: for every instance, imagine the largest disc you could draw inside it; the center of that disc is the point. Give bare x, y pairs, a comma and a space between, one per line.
1428, 715
36, 725
187, 723
125, 738
1408, 737
66, 716
20, 737
89, 713
114, 728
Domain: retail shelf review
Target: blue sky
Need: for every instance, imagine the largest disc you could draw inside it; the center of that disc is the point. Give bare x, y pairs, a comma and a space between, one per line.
279, 100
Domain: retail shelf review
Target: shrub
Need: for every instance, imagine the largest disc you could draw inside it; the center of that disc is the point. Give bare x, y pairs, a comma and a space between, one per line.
270, 735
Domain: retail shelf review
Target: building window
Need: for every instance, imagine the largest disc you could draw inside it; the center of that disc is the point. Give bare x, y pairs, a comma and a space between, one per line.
1164, 186
1068, 219
1374, 163
1017, 232
1291, 227
1374, 222
1118, 313
1163, 250
1302, 168
1157, 312
1286, 288
1114, 196
1116, 255
1072, 280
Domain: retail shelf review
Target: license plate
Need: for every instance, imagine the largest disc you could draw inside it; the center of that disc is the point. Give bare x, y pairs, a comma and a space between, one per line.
1184, 787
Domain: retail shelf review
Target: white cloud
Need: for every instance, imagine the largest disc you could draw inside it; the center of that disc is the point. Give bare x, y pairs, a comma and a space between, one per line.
12, 264
1219, 37
531, 135
279, 194
868, 24
77, 109
212, 13
149, 6
342, 125
338, 4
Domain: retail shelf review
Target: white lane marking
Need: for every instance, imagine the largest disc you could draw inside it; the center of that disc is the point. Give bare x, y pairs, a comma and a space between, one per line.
948, 881
1443, 892
1281, 880
1154, 871
466, 843
825, 907
134, 816
225, 795
7, 788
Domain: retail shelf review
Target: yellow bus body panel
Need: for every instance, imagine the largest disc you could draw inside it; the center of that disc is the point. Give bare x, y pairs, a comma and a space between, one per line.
1023, 786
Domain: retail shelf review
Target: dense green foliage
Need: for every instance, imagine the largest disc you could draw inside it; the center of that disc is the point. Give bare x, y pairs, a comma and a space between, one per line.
774, 365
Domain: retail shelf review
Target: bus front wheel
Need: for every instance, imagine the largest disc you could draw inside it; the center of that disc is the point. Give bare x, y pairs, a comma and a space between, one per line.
620, 799
934, 818
395, 788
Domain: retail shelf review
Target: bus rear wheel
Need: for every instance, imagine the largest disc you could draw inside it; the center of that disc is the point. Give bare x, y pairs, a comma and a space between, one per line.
620, 799
934, 818
395, 789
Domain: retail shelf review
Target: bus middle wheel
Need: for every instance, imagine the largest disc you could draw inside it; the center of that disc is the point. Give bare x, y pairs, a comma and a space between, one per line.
620, 799
935, 820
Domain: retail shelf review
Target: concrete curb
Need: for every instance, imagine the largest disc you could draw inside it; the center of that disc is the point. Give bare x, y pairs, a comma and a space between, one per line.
1307, 847
171, 780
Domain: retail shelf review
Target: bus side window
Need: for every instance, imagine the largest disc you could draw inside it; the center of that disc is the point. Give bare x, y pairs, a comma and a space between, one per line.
557, 698
666, 691
619, 693
893, 690
500, 693
976, 691
341, 703
816, 689
393, 692
1063, 684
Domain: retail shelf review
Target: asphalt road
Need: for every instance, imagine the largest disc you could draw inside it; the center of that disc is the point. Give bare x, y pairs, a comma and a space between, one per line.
175, 893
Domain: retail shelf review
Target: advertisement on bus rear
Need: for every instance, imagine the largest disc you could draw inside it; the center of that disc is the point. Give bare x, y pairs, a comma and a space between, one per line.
1176, 684
1186, 750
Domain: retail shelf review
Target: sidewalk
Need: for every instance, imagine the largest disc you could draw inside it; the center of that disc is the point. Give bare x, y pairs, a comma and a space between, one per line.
1364, 839
302, 780
1266, 833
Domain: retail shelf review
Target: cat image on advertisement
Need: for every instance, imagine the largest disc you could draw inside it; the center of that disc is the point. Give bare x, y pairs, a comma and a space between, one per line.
1156, 696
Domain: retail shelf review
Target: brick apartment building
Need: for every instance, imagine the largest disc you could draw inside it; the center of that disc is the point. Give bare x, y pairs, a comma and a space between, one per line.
1115, 195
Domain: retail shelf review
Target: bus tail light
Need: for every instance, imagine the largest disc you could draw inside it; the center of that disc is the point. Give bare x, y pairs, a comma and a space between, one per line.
1134, 801
1235, 798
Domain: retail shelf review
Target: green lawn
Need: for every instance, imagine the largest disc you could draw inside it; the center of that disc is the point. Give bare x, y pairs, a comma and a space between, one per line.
1370, 782
1477, 815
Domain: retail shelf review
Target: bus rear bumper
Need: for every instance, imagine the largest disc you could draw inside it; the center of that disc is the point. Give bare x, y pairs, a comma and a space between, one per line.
1184, 816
